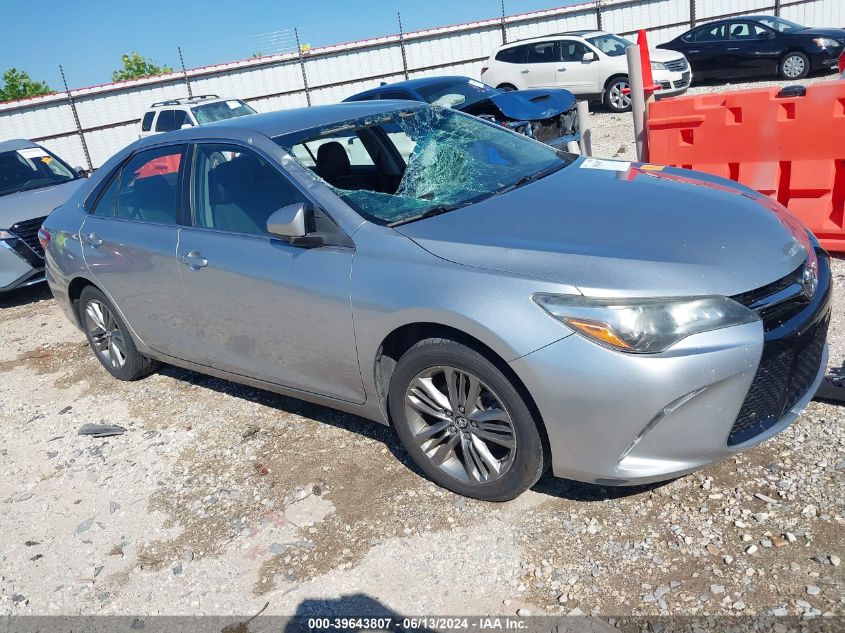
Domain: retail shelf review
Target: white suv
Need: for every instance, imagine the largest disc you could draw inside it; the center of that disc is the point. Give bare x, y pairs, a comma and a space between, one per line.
175, 114
590, 64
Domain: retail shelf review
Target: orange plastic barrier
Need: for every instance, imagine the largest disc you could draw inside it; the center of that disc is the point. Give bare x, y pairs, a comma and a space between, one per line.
789, 148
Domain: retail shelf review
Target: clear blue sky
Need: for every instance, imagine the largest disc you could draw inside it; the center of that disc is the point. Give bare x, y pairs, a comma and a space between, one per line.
89, 37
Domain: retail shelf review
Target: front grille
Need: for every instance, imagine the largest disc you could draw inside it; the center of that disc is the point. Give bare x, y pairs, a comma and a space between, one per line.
784, 376
27, 232
666, 85
778, 301
677, 65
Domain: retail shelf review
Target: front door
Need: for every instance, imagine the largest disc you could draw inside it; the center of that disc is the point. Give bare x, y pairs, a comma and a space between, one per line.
129, 244
260, 307
573, 73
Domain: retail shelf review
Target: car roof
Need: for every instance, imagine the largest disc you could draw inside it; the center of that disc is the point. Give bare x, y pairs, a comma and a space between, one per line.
190, 101
18, 143
582, 34
412, 84
283, 121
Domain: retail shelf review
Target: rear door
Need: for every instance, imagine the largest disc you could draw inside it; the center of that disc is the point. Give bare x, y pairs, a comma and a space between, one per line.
539, 70
129, 244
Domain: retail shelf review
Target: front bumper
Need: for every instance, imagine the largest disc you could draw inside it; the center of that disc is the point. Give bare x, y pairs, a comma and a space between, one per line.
622, 419
672, 83
16, 269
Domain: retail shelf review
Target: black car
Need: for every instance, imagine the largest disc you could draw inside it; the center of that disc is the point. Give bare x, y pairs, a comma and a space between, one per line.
755, 45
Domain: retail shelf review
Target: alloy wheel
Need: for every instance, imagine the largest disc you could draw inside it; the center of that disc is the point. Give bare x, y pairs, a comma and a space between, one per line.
793, 66
618, 99
460, 424
106, 337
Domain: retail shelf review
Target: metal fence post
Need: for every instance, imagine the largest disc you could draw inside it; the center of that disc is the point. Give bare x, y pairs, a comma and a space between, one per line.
598, 15
185, 72
691, 13
777, 8
302, 67
402, 45
76, 120
504, 26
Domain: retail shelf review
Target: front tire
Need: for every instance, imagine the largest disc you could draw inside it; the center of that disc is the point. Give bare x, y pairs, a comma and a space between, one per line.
109, 337
464, 423
614, 98
794, 65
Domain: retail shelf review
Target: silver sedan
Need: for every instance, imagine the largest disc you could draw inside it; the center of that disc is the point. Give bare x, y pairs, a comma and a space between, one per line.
506, 307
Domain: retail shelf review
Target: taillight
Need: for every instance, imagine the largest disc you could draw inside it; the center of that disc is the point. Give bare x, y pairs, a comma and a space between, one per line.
484, 70
841, 63
44, 237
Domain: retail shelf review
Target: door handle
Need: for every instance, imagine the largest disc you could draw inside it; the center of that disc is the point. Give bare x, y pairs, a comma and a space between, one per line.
193, 260
524, 72
92, 239
735, 48
561, 70
695, 51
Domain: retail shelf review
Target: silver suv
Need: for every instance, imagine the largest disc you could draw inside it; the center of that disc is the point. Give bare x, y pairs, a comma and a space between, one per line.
175, 114
485, 294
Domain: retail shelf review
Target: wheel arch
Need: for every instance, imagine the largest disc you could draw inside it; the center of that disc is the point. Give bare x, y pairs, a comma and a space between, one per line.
402, 338
74, 291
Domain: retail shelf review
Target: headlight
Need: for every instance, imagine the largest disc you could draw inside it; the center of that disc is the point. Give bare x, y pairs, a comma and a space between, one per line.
825, 42
5, 235
658, 66
642, 326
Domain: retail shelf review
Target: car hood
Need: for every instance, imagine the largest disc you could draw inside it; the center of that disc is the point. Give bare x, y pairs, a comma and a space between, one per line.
26, 205
663, 55
525, 105
649, 231
836, 34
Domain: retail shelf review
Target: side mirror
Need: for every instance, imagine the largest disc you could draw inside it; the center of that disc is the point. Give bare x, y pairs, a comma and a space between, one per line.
81, 172
186, 126
294, 222
769, 35
589, 56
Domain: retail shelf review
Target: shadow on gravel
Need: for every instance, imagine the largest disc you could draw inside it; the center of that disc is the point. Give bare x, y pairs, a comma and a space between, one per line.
580, 491
325, 415
22, 296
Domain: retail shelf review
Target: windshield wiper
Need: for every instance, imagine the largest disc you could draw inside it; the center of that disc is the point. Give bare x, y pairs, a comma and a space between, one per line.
445, 208
530, 178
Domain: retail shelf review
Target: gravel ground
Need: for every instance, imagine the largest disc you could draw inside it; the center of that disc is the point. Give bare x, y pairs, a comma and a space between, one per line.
220, 498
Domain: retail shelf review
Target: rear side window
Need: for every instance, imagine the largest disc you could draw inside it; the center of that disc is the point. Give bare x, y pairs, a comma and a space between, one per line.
512, 55
542, 53
147, 122
146, 189
166, 121
713, 33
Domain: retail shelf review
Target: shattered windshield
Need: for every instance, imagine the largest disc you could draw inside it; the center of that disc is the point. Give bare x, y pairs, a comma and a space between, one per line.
404, 165
220, 111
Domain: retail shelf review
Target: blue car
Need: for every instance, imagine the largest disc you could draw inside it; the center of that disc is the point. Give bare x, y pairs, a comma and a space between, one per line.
547, 115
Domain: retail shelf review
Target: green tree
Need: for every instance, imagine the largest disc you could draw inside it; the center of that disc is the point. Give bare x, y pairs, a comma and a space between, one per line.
135, 67
18, 85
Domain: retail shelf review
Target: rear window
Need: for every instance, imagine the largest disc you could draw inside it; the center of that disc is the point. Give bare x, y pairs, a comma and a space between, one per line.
512, 55
147, 122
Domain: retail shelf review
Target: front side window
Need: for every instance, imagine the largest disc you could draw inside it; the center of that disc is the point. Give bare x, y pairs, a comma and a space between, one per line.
609, 44
746, 31
237, 190
572, 51
427, 160
146, 188
180, 118
31, 168
220, 111
781, 25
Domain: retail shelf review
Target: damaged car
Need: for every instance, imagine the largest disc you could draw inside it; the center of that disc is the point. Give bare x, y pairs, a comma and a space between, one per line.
486, 295
548, 115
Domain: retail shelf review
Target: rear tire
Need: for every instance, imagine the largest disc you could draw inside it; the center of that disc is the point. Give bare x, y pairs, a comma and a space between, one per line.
614, 99
477, 438
109, 337
794, 65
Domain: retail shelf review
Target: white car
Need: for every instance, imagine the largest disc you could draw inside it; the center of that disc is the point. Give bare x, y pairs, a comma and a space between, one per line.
175, 114
590, 64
